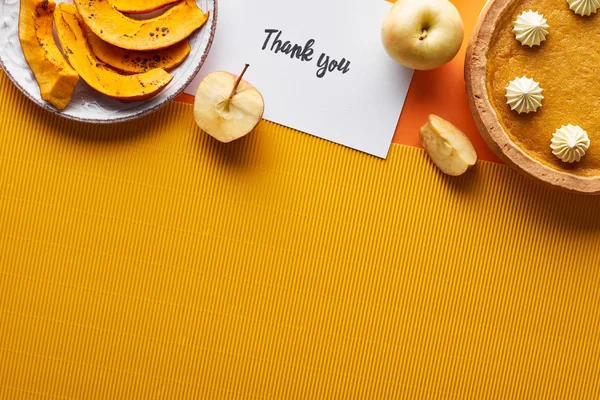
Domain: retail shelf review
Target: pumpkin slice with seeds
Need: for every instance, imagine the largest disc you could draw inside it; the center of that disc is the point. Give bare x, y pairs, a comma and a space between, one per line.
175, 25
135, 62
69, 28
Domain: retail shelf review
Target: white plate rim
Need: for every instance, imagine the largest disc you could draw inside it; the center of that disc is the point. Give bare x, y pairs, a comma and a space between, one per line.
143, 112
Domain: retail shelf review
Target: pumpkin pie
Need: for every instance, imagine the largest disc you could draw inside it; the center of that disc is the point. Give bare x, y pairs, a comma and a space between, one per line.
564, 60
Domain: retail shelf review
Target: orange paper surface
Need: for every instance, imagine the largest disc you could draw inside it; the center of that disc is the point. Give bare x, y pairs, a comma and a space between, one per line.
442, 92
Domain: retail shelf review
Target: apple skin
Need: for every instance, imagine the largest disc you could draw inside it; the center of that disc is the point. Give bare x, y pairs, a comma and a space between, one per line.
448, 147
224, 111
423, 34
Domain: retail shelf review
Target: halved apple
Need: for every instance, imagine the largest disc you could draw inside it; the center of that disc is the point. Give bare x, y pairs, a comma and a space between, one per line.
227, 107
450, 149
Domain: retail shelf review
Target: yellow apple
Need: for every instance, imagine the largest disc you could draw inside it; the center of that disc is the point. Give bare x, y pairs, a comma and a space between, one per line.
449, 149
227, 107
423, 34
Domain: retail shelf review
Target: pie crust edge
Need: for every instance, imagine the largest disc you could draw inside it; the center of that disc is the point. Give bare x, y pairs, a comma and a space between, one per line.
485, 116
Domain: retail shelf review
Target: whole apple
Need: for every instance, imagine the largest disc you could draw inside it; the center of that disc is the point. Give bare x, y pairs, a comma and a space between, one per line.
423, 34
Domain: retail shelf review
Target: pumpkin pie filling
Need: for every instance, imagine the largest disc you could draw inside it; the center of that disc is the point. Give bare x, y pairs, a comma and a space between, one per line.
566, 65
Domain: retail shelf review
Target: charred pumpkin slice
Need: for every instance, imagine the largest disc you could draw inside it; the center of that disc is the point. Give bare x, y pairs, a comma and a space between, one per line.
140, 6
160, 32
53, 74
135, 62
97, 74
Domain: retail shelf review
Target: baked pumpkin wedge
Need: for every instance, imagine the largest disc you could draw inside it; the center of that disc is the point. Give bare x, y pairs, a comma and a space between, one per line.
140, 6
94, 72
135, 62
160, 32
53, 74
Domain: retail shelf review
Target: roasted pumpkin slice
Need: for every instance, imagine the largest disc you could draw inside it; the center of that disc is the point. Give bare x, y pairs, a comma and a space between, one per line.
53, 74
160, 32
69, 28
140, 6
135, 62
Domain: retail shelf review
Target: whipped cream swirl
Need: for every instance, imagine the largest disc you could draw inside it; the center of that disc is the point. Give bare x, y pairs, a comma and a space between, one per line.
524, 95
531, 28
570, 143
584, 7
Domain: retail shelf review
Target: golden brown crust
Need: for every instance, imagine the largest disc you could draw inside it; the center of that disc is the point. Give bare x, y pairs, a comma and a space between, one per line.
485, 116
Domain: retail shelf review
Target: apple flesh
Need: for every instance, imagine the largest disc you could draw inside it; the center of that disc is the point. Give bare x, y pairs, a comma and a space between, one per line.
227, 107
449, 149
423, 34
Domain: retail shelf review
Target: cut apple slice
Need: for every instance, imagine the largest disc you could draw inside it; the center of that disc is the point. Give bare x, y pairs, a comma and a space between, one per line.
93, 71
53, 74
140, 6
135, 62
450, 149
227, 107
160, 32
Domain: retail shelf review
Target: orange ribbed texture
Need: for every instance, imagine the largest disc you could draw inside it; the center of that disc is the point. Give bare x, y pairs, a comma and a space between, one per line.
145, 260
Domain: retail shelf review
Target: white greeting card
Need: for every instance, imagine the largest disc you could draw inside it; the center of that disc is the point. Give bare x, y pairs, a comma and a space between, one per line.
319, 64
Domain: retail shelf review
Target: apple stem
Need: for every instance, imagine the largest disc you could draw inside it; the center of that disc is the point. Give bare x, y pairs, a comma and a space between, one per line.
237, 83
423, 34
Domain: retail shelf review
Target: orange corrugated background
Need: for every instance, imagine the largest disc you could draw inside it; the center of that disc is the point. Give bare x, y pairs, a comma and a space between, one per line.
146, 260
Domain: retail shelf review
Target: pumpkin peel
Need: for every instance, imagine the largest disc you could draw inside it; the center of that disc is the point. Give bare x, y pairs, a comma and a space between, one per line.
110, 25
53, 74
134, 62
127, 88
140, 6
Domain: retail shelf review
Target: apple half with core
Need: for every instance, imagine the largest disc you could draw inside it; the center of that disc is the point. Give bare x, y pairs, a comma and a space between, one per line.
449, 149
227, 107
423, 34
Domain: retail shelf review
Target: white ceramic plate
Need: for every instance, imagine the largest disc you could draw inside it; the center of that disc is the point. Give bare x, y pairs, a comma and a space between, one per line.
88, 105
